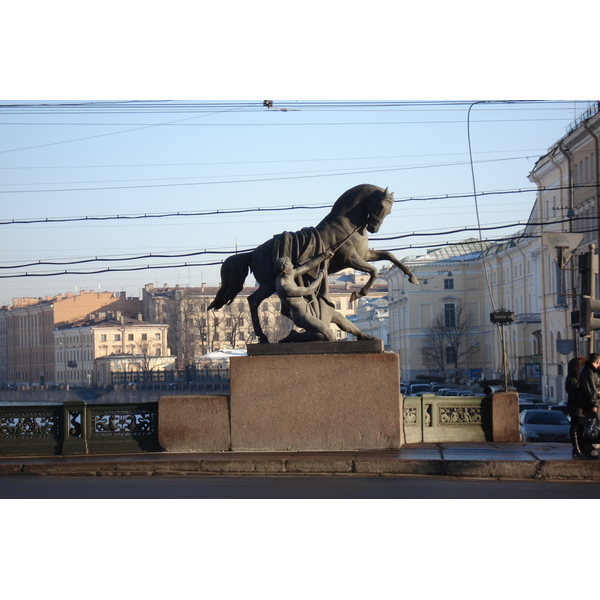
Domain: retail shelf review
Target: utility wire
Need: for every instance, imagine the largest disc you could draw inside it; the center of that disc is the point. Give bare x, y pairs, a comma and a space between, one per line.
483, 243
227, 211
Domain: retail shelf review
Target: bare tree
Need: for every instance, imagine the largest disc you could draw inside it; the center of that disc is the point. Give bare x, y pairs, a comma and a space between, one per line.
237, 320
273, 323
446, 340
201, 324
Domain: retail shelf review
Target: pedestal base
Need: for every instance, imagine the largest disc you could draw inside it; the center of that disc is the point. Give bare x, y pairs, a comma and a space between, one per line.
316, 402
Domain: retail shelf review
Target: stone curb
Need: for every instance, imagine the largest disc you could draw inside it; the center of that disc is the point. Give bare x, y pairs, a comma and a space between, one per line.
289, 465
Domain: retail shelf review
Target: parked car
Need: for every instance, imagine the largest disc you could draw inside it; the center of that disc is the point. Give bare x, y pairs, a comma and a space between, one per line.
529, 397
449, 392
532, 406
541, 425
560, 408
414, 389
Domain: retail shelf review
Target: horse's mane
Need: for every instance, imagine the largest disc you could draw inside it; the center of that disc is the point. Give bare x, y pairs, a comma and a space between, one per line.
349, 199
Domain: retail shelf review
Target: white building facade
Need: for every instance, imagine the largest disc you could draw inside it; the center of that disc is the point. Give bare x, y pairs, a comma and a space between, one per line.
521, 275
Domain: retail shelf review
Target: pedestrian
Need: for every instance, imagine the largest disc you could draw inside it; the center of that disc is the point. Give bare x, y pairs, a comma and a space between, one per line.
574, 404
589, 394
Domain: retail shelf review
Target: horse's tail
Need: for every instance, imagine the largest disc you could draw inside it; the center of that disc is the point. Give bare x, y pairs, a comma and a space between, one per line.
234, 271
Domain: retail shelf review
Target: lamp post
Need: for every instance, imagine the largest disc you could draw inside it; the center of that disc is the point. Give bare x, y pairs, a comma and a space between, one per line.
502, 317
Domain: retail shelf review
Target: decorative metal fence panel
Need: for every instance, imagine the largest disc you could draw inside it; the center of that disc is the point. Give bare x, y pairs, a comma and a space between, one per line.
78, 428
429, 418
31, 430
142, 377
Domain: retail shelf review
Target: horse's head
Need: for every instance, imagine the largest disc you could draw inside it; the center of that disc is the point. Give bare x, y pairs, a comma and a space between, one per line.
380, 206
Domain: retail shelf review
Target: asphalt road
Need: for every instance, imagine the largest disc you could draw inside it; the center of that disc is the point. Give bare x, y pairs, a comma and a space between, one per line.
326, 487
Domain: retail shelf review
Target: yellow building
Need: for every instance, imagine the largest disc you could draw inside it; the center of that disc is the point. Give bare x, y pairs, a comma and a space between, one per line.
27, 342
144, 346
449, 295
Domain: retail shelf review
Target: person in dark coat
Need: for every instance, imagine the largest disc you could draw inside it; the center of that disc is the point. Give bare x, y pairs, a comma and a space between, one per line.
576, 411
589, 391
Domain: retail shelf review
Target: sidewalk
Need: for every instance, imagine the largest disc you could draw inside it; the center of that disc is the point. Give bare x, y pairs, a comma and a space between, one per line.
461, 460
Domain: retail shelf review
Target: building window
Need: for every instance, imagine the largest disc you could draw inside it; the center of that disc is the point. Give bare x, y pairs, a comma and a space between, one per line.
448, 284
102, 337
144, 337
451, 355
449, 315
157, 336
117, 337
130, 337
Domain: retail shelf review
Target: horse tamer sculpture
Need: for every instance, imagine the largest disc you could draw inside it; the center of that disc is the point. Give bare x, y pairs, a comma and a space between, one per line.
344, 231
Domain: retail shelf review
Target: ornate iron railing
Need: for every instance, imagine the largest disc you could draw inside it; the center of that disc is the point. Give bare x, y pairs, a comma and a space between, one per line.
78, 428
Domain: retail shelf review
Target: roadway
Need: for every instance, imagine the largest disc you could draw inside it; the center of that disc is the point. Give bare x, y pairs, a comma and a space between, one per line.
288, 487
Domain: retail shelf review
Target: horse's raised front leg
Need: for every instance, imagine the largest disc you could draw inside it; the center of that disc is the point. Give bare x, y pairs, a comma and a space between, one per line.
356, 262
385, 255
254, 300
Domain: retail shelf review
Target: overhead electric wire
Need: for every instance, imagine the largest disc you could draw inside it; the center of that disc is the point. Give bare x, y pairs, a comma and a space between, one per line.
348, 171
226, 211
231, 252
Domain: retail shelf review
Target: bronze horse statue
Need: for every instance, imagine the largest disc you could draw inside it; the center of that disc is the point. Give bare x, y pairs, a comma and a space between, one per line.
357, 212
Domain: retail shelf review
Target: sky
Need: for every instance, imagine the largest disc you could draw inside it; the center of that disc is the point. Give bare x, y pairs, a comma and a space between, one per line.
63, 162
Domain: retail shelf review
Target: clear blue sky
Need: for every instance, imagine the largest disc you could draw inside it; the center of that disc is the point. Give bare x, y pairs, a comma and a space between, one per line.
127, 160
108, 159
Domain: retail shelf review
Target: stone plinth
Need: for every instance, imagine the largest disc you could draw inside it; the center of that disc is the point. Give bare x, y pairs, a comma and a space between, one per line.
193, 423
315, 402
357, 347
505, 417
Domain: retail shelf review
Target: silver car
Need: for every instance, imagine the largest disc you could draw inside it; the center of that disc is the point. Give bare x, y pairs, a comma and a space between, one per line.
544, 426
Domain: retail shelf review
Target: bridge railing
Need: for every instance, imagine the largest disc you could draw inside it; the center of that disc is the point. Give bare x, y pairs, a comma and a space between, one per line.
76, 427
429, 418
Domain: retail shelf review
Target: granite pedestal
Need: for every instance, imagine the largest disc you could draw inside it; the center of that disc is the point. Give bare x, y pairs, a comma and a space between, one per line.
300, 397
193, 423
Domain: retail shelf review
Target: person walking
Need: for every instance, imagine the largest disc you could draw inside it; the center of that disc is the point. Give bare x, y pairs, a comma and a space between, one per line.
589, 394
574, 404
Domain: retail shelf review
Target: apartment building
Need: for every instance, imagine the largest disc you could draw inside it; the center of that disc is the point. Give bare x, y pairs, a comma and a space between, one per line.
27, 348
449, 295
522, 275
119, 343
